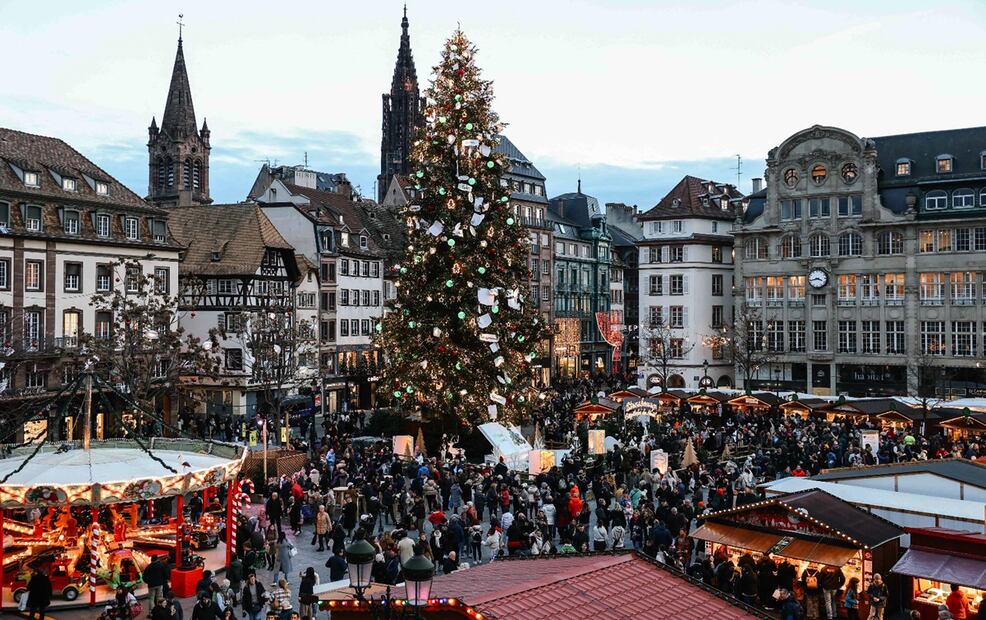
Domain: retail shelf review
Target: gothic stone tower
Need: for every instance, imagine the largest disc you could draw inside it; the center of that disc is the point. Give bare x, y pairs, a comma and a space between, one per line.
178, 162
403, 114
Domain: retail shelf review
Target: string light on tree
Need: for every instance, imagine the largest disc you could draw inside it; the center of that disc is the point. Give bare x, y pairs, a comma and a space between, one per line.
462, 306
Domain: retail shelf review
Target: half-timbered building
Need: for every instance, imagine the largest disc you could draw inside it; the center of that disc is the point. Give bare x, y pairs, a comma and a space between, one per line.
236, 272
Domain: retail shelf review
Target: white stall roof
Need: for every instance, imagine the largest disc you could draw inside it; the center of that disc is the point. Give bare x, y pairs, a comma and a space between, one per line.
865, 497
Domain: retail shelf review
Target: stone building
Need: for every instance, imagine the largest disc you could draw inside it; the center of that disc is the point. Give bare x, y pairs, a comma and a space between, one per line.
403, 114
865, 259
686, 270
582, 262
625, 278
178, 151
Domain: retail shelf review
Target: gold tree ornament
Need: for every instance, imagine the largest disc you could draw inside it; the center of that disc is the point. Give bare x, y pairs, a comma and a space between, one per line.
465, 256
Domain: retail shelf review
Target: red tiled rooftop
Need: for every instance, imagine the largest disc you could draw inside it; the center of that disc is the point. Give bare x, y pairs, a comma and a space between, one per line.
596, 587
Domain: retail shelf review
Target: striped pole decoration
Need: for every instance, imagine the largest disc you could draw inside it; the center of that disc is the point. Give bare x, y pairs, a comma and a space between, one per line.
246, 486
93, 557
240, 500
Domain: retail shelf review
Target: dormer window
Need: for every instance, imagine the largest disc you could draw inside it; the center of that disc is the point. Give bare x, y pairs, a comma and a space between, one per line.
31, 179
982, 160
724, 203
69, 185
903, 167
216, 256
363, 242
345, 238
705, 201
103, 225
675, 203
131, 228
159, 231
32, 218
102, 189
70, 222
943, 164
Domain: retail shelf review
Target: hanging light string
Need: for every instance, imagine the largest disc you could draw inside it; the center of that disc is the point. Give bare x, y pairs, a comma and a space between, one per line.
116, 414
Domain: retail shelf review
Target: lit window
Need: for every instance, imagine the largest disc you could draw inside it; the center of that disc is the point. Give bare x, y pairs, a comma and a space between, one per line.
903, 167
943, 164
850, 173
69, 185
31, 179
819, 174
102, 188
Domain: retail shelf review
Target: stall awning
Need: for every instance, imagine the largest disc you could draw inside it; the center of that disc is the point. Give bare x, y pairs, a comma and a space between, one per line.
752, 540
944, 568
818, 552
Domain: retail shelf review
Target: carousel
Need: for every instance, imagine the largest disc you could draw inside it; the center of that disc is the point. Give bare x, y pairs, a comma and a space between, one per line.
93, 514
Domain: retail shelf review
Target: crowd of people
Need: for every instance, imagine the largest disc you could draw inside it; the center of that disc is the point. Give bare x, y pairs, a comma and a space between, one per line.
458, 513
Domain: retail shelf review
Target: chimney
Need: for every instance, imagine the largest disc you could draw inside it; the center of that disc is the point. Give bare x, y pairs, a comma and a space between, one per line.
757, 184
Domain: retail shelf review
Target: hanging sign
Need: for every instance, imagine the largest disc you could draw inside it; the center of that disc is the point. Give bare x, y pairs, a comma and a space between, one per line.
597, 441
659, 461
870, 439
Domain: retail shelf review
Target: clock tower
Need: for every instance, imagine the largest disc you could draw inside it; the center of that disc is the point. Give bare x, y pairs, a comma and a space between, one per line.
403, 115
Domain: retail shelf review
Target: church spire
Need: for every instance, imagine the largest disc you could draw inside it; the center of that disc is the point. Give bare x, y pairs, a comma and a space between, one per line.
179, 113
178, 151
405, 76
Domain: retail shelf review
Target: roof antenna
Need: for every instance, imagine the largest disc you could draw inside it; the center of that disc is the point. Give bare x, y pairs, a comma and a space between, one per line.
580, 179
739, 170
405, 10
181, 24
306, 160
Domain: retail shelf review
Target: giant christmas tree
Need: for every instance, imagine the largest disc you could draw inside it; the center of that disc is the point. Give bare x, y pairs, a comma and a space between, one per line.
462, 336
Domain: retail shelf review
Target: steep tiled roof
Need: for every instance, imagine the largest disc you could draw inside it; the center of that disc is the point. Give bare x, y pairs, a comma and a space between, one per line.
241, 233
596, 587
355, 216
520, 165
699, 198
44, 155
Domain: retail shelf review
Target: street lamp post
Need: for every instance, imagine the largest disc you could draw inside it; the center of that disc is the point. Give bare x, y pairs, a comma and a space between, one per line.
418, 573
706, 381
359, 557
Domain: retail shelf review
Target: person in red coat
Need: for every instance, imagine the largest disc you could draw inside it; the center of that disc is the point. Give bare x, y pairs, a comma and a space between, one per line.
574, 504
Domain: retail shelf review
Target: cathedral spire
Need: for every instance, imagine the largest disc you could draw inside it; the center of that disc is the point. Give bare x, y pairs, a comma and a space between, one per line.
179, 113
404, 73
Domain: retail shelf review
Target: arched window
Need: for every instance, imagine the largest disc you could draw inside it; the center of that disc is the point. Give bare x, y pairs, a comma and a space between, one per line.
963, 198
850, 173
724, 381
197, 176
819, 173
676, 381
982, 197
161, 174
890, 242
170, 169
819, 245
186, 177
755, 249
850, 244
790, 247
937, 199
790, 177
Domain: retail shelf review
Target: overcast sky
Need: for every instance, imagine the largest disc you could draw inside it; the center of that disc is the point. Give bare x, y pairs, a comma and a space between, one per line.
633, 93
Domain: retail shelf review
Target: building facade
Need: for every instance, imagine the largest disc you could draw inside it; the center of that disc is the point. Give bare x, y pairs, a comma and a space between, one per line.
403, 115
336, 233
686, 272
64, 226
626, 232
178, 151
530, 205
236, 266
582, 262
865, 256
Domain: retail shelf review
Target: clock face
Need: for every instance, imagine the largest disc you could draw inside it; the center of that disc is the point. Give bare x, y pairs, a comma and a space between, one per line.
818, 278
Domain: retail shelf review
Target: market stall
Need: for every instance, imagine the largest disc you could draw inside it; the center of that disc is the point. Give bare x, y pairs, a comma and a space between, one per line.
906, 419
632, 392
102, 515
962, 424
805, 408
709, 403
755, 403
671, 400
862, 409
811, 530
938, 558
596, 410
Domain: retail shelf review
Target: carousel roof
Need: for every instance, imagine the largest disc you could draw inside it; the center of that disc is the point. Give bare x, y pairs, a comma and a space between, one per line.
115, 471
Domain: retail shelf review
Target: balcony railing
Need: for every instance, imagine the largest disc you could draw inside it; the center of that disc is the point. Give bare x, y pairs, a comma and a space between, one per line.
531, 222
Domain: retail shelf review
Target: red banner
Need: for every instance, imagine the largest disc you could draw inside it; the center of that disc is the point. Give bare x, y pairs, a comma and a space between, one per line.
612, 331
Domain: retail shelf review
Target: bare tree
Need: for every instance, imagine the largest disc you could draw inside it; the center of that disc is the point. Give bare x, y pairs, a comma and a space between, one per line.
138, 345
666, 347
924, 377
277, 350
745, 342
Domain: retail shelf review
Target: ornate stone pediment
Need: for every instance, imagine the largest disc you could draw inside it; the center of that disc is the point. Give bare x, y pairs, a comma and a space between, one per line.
818, 132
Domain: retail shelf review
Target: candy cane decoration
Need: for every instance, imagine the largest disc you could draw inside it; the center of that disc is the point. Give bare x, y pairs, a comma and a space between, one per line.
93, 556
246, 486
240, 500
